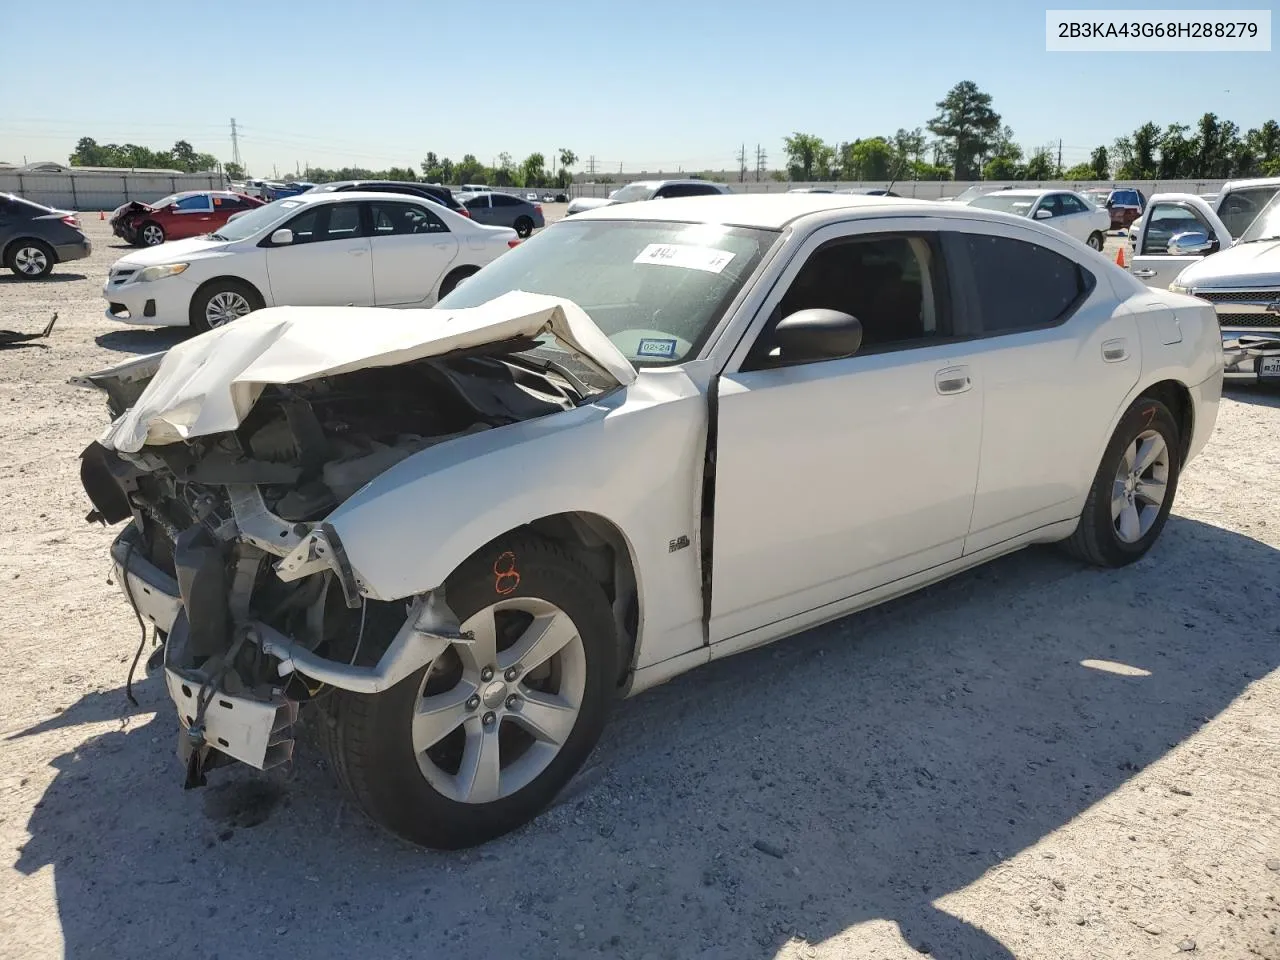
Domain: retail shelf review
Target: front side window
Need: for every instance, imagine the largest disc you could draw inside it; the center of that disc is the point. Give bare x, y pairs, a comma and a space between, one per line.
1004, 203
1072, 204
655, 289
1166, 220
1266, 225
320, 222
1240, 207
395, 219
198, 203
1022, 285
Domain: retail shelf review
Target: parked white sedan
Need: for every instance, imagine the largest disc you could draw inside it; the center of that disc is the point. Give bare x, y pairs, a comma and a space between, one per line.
653, 435
314, 249
1063, 210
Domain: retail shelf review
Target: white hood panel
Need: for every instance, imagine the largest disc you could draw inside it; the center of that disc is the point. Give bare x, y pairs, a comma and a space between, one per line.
209, 383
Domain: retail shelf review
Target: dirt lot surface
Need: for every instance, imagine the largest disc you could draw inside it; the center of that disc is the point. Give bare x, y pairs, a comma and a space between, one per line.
1035, 760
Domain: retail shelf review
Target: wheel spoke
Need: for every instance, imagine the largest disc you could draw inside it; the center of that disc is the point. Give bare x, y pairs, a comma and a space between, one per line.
439, 715
542, 640
480, 773
1119, 499
1130, 523
482, 651
547, 717
1152, 491
1148, 452
1128, 459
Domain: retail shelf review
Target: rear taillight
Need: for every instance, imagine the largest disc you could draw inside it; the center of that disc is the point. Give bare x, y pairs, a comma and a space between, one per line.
512, 244
465, 212
537, 208
72, 221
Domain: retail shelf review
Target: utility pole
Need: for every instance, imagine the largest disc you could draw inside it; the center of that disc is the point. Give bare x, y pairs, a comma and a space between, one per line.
742, 163
1059, 170
591, 165
235, 146
761, 158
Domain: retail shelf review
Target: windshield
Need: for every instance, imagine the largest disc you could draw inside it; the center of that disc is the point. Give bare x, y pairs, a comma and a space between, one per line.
1004, 203
655, 289
256, 220
1266, 226
165, 201
632, 192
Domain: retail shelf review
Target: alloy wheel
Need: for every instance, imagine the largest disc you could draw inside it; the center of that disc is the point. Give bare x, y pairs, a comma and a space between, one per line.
152, 235
224, 307
1140, 487
31, 261
492, 714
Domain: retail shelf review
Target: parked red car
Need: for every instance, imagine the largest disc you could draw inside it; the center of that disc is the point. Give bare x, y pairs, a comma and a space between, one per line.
182, 215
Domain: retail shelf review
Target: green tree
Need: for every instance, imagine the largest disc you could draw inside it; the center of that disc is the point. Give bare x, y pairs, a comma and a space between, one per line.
1041, 166
430, 167
967, 126
533, 170
870, 159
1002, 168
446, 172
1137, 153
1177, 153
1099, 163
808, 157
908, 147
504, 174
1081, 171
234, 171
470, 170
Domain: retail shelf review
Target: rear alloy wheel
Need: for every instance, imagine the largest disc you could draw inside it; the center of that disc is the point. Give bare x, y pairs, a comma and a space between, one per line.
151, 234
1095, 240
478, 742
523, 227
1133, 490
31, 260
221, 302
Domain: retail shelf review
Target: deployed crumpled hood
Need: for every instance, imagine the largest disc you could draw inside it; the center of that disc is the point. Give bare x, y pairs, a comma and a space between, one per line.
208, 384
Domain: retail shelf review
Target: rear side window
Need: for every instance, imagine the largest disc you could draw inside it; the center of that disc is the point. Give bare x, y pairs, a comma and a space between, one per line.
686, 190
1021, 285
503, 200
390, 219
1073, 204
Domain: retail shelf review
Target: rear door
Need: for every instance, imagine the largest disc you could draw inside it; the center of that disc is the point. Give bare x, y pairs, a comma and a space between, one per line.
480, 208
189, 217
1055, 359
412, 248
1152, 262
328, 263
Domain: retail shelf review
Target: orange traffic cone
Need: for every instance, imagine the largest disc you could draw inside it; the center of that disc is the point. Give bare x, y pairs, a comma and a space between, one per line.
102, 215
1120, 258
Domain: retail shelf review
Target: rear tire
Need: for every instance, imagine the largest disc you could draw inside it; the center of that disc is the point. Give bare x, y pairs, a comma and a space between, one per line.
1096, 240
220, 301
31, 259
396, 752
523, 227
1133, 489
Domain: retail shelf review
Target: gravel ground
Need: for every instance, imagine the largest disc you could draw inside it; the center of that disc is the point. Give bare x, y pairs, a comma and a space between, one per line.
957, 773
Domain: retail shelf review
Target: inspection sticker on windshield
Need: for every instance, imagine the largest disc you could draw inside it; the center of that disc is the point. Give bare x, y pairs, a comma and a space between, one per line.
656, 348
684, 255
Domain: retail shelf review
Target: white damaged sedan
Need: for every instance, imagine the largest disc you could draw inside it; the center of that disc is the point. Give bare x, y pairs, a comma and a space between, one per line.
654, 435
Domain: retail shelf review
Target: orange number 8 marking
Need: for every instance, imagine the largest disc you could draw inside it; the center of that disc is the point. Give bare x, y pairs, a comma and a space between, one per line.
505, 576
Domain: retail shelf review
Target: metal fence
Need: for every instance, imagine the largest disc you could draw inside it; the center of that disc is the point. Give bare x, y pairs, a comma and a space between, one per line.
103, 191
924, 189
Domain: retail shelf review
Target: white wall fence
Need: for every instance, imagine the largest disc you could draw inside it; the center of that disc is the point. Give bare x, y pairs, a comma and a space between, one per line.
102, 191
924, 189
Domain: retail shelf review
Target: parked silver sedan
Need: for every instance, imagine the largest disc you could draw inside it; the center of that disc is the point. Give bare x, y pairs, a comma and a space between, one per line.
504, 210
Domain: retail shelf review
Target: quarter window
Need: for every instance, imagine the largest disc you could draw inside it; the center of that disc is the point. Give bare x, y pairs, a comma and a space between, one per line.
1021, 285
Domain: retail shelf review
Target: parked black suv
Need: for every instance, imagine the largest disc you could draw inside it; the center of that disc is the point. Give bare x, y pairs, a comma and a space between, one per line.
441, 195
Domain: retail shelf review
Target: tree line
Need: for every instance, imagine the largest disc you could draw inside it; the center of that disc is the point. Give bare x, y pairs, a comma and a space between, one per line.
181, 156
970, 141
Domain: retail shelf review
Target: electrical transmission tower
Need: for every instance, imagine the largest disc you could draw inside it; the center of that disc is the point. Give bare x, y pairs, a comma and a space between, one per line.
742, 163
761, 159
235, 146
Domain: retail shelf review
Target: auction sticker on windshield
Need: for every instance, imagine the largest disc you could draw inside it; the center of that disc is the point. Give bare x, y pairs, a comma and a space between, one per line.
684, 255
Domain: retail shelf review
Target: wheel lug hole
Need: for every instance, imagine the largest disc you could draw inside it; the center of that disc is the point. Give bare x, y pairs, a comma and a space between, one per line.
512, 701
473, 701
486, 674
489, 719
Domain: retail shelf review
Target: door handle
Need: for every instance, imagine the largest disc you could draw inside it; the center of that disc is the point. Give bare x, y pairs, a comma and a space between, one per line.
952, 380
357, 251
1113, 351
1144, 274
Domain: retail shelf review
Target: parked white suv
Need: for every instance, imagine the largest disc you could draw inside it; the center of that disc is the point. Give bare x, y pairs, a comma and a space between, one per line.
315, 249
649, 190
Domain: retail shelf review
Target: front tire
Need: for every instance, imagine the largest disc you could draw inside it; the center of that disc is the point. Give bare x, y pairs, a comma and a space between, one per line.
221, 301
1096, 240
481, 740
1133, 490
523, 227
31, 259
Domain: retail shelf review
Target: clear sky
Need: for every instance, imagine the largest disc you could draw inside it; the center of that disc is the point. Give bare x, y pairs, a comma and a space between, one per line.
649, 85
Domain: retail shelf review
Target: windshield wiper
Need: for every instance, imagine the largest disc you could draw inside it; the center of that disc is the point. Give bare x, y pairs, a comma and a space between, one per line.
543, 364
216, 236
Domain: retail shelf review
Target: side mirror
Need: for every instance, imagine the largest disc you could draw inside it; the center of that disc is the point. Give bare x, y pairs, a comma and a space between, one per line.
282, 237
1043, 214
817, 334
1191, 243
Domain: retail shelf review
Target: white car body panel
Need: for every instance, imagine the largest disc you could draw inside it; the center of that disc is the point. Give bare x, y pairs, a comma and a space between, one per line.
1078, 225
838, 483
408, 268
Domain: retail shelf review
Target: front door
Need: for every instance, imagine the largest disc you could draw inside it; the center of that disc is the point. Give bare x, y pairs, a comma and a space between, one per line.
837, 476
189, 217
327, 264
1153, 264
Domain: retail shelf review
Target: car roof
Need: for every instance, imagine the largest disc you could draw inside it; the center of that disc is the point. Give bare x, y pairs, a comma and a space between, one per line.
774, 211
1027, 193
1253, 182
335, 196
